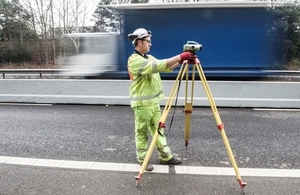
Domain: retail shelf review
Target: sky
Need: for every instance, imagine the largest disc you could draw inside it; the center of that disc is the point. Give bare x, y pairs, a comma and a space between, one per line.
92, 5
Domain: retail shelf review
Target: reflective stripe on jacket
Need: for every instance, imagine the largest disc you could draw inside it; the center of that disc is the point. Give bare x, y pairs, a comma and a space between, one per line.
146, 88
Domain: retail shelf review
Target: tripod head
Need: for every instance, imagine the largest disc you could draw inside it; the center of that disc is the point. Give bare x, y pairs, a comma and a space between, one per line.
192, 47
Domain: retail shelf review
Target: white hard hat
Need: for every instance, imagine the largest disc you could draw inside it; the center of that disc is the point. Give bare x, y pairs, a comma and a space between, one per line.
139, 34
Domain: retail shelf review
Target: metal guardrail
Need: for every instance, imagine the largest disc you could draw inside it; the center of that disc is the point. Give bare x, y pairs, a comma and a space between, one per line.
56, 73
37, 72
282, 72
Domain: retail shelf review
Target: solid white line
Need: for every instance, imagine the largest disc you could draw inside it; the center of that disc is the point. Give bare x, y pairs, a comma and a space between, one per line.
23, 104
63, 96
127, 97
254, 172
244, 99
79, 164
277, 109
193, 170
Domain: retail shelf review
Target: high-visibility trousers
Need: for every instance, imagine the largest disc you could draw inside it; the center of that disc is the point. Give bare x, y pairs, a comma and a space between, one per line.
147, 120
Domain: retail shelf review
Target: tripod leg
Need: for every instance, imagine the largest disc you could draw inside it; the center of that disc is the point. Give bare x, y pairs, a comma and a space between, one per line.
188, 106
161, 124
220, 125
188, 111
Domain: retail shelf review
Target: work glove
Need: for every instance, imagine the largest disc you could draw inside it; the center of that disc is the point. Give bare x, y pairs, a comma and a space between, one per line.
186, 56
193, 61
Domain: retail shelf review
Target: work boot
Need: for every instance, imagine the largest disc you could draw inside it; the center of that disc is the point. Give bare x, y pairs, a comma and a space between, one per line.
172, 161
149, 167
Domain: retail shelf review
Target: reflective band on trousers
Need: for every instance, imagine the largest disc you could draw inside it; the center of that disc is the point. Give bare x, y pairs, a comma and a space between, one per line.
164, 154
148, 97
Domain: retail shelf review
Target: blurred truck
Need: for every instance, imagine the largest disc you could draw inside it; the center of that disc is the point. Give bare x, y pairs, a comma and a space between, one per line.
236, 39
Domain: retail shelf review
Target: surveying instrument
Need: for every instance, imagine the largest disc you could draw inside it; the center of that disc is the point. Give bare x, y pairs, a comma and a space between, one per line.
193, 47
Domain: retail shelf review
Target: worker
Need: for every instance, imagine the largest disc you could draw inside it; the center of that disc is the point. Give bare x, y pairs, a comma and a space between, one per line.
146, 91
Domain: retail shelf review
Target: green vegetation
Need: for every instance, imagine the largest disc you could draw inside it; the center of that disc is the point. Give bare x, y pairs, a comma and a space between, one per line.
14, 33
286, 28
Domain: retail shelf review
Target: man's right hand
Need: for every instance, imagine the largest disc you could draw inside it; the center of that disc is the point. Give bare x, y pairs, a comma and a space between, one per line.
186, 56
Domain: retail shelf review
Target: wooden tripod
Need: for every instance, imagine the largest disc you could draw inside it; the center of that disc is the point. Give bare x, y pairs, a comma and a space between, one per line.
184, 71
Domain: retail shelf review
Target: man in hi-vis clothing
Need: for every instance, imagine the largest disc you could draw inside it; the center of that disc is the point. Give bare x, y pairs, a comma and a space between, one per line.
145, 93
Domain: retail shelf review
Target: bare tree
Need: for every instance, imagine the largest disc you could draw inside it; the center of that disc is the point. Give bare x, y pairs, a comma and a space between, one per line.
33, 11
53, 32
51, 18
43, 21
73, 15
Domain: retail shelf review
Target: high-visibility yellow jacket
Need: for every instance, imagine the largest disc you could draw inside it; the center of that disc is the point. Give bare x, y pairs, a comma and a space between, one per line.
146, 88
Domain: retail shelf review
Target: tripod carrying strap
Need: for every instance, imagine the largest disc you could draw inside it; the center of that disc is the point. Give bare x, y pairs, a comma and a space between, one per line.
175, 106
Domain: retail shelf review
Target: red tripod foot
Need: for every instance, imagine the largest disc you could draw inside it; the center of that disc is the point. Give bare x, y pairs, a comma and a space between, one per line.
137, 179
242, 184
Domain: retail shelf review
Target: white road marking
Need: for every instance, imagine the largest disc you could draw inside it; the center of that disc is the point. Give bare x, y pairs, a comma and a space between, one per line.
226, 171
79, 164
63, 96
25, 104
179, 169
277, 109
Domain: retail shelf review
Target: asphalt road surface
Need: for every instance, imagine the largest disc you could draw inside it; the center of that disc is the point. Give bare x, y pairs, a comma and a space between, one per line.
85, 149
